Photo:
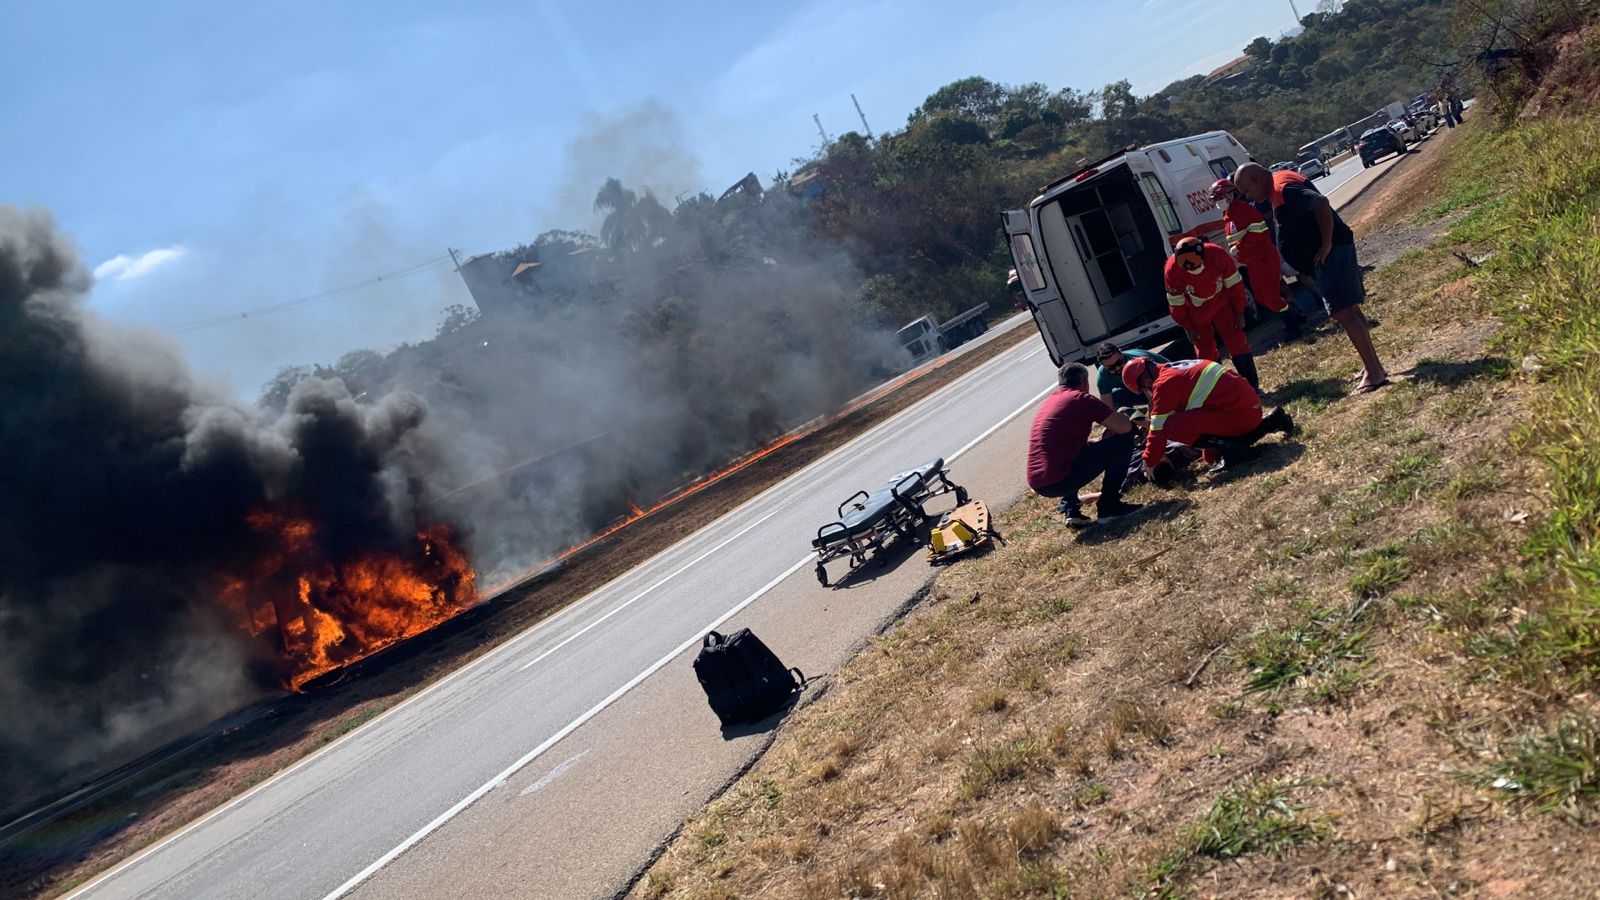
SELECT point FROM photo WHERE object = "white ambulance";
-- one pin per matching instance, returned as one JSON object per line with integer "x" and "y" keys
{"x": 1090, "y": 248}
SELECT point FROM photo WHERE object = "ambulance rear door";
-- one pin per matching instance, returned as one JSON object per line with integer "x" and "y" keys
{"x": 1043, "y": 297}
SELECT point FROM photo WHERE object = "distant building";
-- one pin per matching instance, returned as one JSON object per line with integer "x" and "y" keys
{"x": 502, "y": 284}
{"x": 1236, "y": 68}
{"x": 749, "y": 186}
{"x": 488, "y": 279}
{"x": 807, "y": 183}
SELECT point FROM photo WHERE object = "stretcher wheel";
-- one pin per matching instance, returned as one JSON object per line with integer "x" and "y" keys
{"x": 822, "y": 575}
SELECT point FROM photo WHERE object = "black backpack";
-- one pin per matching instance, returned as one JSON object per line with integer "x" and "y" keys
{"x": 743, "y": 680}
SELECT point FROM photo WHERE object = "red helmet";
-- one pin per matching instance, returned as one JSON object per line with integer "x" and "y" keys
{"x": 1221, "y": 186}
{"x": 1133, "y": 372}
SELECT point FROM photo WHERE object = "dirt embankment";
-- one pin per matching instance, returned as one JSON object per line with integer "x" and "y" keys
{"x": 1264, "y": 686}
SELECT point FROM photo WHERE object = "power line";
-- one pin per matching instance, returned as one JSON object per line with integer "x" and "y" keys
{"x": 310, "y": 299}
{"x": 332, "y": 293}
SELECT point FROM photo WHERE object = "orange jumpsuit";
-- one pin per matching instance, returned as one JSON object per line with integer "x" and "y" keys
{"x": 1247, "y": 230}
{"x": 1192, "y": 398}
{"x": 1205, "y": 304}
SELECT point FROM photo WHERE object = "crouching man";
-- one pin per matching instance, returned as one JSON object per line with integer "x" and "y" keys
{"x": 1062, "y": 459}
{"x": 1200, "y": 403}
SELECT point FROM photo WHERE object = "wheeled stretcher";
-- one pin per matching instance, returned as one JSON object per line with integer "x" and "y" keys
{"x": 869, "y": 520}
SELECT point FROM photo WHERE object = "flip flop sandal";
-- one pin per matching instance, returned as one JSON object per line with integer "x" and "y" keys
{"x": 1369, "y": 388}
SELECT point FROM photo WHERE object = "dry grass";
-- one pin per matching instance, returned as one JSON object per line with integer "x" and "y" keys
{"x": 1289, "y": 700}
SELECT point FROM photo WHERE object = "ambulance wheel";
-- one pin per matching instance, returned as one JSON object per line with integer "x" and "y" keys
{"x": 822, "y": 575}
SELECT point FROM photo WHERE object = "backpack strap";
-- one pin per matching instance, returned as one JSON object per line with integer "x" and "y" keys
{"x": 712, "y": 639}
{"x": 798, "y": 675}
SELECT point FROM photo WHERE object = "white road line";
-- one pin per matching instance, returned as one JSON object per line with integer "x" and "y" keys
{"x": 551, "y": 775}
{"x": 644, "y": 593}
{"x": 616, "y": 695}
{"x": 554, "y": 739}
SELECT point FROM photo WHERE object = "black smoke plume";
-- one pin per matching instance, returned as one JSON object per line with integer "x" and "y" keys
{"x": 126, "y": 487}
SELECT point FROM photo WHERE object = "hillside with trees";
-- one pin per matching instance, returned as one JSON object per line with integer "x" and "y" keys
{"x": 919, "y": 208}
{"x": 730, "y": 318}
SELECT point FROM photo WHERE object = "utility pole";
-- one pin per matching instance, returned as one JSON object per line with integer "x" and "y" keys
{"x": 818, "y": 119}
{"x": 453, "y": 258}
{"x": 862, "y": 115}
{"x": 1296, "y": 12}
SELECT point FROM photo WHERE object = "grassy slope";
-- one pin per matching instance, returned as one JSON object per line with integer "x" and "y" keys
{"x": 1362, "y": 664}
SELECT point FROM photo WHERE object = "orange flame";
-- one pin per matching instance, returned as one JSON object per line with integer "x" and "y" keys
{"x": 330, "y": 613}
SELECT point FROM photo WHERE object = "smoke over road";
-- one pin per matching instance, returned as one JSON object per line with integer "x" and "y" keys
{"x": 166, "y": 551}
{"x": 169, "y": 552}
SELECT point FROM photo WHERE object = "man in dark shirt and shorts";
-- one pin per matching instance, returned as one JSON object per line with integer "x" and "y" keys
{"x": 1312, "y": 238}
{"x": 1062, "y": 459}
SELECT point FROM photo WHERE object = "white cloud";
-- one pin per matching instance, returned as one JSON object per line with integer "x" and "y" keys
{"x": 123, "y": 267}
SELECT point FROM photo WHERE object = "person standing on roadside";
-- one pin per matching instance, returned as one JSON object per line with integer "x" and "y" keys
{"x": 1251, "y": 243}
{"x": 1062, "y": 459}
{"x": 1205, "y": 297}
{"x": 1312, "y": 238}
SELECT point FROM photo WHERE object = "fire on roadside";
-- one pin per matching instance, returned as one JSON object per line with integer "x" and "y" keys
{"x": 635, "y": 512}
{"x": 330, "y": 612}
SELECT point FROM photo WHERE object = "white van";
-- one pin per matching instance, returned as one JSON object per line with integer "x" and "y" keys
{"x": 1091, "y": 247}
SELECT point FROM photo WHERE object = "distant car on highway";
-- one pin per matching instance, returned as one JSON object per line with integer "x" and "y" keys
{"x": 1313, "y": 168}
{"x": 1282, "y": 165}
{"x": 1407, "y": 131}
{"x": 1378, "y": 143}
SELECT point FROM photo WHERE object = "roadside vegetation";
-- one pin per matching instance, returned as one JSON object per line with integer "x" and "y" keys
{"x": 911, "y": 212}
{"x": 1364, "y": 667}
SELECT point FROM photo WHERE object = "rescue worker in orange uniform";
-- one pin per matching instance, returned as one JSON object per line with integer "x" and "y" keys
{"x": 1250, "y": 241}
{"x": 1200, "y": 403}
{"x": 1205, "y": 296}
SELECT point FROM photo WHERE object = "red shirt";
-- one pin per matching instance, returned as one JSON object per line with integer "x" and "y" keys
{"x": 1199, "y": 298}
{"x": 1281, "y": 178}
{"x": 1060, "y": 429}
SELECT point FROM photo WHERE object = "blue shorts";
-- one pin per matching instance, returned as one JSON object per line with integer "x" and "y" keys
{"x": 1339, "y": 279}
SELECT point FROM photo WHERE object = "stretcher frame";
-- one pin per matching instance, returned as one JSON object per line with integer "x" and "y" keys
{"x": 867, "y": 522}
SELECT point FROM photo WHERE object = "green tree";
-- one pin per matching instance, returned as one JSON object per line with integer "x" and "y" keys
{"x": 974, "y": 98}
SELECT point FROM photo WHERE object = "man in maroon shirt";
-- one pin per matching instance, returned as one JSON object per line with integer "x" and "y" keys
{"x": 1062, "y": 459}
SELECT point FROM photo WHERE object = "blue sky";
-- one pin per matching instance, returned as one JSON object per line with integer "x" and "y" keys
{"x": 210, "y": 158}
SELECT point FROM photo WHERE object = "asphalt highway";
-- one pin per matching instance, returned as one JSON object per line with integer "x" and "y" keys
{"x": 515, "y": 740}
{"x": 552, "y": 766}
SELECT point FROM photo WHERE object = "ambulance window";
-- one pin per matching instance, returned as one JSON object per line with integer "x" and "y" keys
{"x": 1162, "y": 204}
{"x": 1027, "y": 262}
{"x": 1224, "y": 167}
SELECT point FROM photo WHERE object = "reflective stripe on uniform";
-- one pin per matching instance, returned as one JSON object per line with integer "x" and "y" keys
{"x": 1209, "y": 376}
{"x": 1257, "y": 227}
{"x": 1174, "y": 299}
{"x": 1230, "y": 281}
{"x": 1158, "y": 420}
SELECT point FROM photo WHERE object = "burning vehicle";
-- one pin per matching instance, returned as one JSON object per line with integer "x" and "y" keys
{"x": 167, "y": 552}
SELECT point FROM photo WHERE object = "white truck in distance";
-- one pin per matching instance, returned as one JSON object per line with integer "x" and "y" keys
{"x": 1090, "y": 248}
{"x": 925, "y": 337}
